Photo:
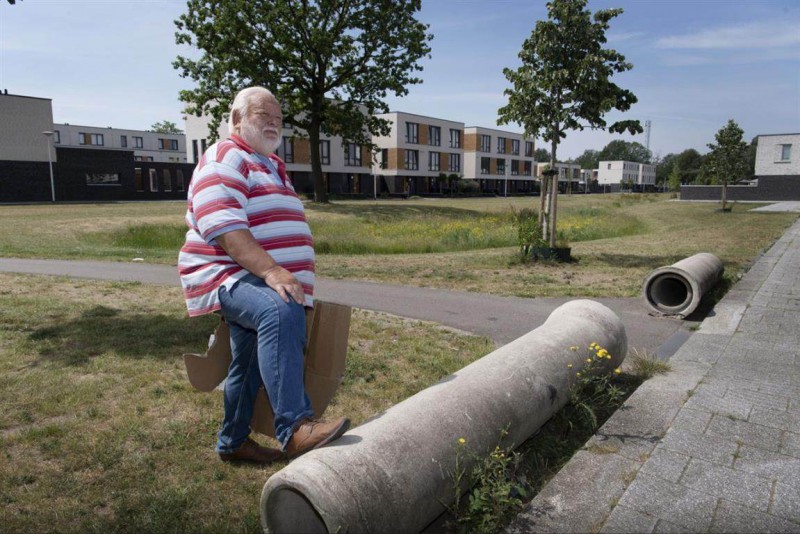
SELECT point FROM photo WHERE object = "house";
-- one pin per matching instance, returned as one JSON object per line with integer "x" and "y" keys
{"x": 569, "y": 176}
{"x": 636, "y": 176}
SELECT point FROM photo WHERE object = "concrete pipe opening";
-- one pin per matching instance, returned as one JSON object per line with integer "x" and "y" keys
{"x": 297, "y": 514}
{"x": 670, "y": 293}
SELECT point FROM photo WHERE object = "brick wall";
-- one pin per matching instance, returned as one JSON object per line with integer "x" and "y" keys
{"x": 768, "y": 188}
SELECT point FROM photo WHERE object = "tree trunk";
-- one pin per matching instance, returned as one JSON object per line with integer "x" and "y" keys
{"x": 554, "y": 195}
{"x": 724, "y": 194}
{"x": 320, "y": 185}
{"x": 542, "y": 202}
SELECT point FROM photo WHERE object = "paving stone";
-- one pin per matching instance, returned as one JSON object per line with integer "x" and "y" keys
{"x": 731, "y": 517}
{"x": 666, "y": 464}
{"x": 674, "y": 502}
{"x": 696, "y": 445}
{"x": 726, "y": 406}
{"x": 786, "y": 502}
{"x": 692, "y": 420}
{"x": 752, "y": 434}
{"x": 626, "y": 520}
{"x": 736, "y": 486}
{"x": 768, "y": 464}
{"x": 791, "y": 444}
{"x": 668, "y": 527}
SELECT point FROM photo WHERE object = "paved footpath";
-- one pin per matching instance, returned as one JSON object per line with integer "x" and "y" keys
{"x": 712, "y": 446}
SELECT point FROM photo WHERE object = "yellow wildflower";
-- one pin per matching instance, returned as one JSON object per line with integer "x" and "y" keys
{"x": 461, "y": 441}
{"x": 577, "y": 374}
{"x": 569, "y": 366}
{"x": 588, "y": 360}
{"x": 574, "y": 348}
{"x": 602, "y": 353}
{"x": 617, "y": 371}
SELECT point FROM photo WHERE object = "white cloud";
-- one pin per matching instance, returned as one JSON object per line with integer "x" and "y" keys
{"x": 763, "y": 34}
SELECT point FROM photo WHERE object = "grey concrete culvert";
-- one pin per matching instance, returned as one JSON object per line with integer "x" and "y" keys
{"x": 678, "y": 289}
{"x": 395, "y": 469}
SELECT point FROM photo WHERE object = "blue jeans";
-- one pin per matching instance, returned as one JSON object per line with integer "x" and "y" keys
{"x": 268, "y": 340}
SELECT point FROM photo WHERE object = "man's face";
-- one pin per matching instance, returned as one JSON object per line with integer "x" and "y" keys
{"x": 261, "y": 128}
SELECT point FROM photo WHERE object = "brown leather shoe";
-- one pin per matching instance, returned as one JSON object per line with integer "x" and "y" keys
{"x": 311, "y": 434}
{"x": 250, "y": 451}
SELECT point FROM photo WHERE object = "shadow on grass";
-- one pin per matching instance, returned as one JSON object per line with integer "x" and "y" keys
{"x": 101, "y": 330}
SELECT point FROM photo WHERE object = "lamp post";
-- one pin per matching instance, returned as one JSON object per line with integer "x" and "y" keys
{"x": 49, "y": 136}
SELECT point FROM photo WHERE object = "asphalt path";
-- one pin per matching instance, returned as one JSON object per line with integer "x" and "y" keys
{"x": 502, "y": 319}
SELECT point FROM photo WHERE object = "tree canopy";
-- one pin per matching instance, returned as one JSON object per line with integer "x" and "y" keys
{"x": 330, "y": 63}
{"x": 590, "y": 159}
{"x": 541, "y": 154}
{"x": 727, "y": 161}
{"x": 564, "y": 83}
{"x": 165, "y": 127}
{"x": 619, "y": 150}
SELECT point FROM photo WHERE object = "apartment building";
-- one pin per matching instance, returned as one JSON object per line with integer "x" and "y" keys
{"x": 611, "y": 174}
{"x": 146, "y": 145}
{"x": 346, "y": 166}
{"x": 778, "y": 155}
{"x": 570, "y": 177}
{"x": 416, "y": 152}
{"x": 501, "y": 161}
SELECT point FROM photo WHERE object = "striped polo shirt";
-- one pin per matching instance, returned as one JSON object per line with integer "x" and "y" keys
{"x": 233, "y": 187}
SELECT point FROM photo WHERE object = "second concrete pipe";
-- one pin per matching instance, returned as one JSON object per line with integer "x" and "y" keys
{"x": 394, "y": 472}
{"x": 677, "y": 289}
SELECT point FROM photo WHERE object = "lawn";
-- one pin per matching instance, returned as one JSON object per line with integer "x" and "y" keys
{"x": 460, "y": 244}
{"x": 100, "y": 430}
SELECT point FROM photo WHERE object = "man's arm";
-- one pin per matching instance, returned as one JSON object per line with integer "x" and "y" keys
{"x": 245, "y": 250}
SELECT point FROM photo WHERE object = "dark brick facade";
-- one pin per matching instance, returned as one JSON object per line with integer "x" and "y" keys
{"x": 30, "y": 181}
{"x": 769, "y": 188}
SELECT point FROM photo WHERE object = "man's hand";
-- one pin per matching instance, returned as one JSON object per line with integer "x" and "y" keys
{"x": 285, "y": 284}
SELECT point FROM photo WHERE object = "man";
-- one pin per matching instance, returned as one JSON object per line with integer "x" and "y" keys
{"x": 249, "y": 256}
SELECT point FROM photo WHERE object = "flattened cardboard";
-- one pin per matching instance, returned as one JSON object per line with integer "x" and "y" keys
{"x": 327, "y": 331}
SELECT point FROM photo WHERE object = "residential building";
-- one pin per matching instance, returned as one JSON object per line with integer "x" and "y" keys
{"x": 778, "y": 155}
{"x": 612, "y": 174}
{"x": 146, "y": 145}
{"x": 500, "y": 160}
{"x": 345, "y": 166}
{"x": 569, "y": 175}
{"x": 416, "y": 152}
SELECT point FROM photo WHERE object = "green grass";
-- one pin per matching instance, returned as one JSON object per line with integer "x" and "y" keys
{"x": 100, "y": 430}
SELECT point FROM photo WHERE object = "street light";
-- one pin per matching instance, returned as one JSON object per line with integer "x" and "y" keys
{"x": 49, "y": 135}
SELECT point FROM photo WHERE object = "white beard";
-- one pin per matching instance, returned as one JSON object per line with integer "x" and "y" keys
{"x": 255, "y": 137}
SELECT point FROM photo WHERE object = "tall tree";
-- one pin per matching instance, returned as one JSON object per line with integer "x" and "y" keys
{"x": 674, "y": 178}
{"x": 590, "y": 159}
{"x": 329, "y": 62}
{"x": 541, "y": 154}
{"x": 664, "y": 169}
{"x": 166, "y": 127}
{"x": 619, "y": 150}
{"x": 564, "y": 83}
{"x": 689, "y": 161}
{"x": 727, "y": 161}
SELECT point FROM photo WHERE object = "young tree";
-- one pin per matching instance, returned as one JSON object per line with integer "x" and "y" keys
{"x": 166, "y": 127}
{"x": 329, "y": 62}
{"x": 674, "y": 178}
{"x": 727, "y": 161}
{"x": 564, "y": 84}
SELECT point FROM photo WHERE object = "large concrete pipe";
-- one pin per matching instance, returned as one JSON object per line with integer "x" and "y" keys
{"x": 678, "y": 288}
{"x": 393, "y": 473}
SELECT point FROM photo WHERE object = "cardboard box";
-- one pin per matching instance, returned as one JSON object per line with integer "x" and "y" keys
{"x": 327, "y": 330}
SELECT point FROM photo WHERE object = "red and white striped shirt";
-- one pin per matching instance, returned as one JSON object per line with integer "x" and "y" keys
{"x": 233, "y": 187}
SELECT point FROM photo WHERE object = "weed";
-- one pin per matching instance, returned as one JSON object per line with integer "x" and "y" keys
{"x": 646, "y": 366}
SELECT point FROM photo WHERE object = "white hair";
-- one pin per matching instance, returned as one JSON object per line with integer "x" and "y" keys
{"x": 243, "y": 100}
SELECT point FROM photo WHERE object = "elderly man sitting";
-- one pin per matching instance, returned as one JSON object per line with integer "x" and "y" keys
{"x": 249, "y": 255}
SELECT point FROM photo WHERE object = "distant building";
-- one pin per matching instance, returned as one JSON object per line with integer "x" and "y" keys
{"x": 500, "y": 160}
{"x": 569, "y": 175}
{"x": 146, "y": 145}
{"x": 611, "y": 174}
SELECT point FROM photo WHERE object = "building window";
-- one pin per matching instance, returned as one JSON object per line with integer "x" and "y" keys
{"x": 455, "y": 162}
{"x": 288, "y": 150}
{"x": 352, "y": 154}
{"x": 434, "y": 136}
{"x": 433, "y": 161}
{"x": 526, "y": 168}
{"x": 384, "y": 158}
{"x": 166, "y": 181}
{"x": 455, "y": 138}
{"x": 153, "y": 180}
{"x": 325, "y": 152}
{"x": 486, "y": 143}
{"x": 194, "y": 151}
{"x": 786, "y": 152}
{"x": 501, "y": 145}
{"x": 102, "y": 178}
{"x": 138, "y": 180}
{"x": 412, "y": 160}
{"x": 515, "y": 147}
{"x": 57, "y": 137}
{"x": 528, "y": 149}
{"x": 485, "y": 165}
{"x": 514, "y": 167}
{"x": 412, "y": 133}
{"x": 609, "y": 166}
{"x": 123, "y": 141}
{"x": 90, "y": 139}
{"x": 167, "y": 144}
{"x": 138, "y": 142}
{"x": 501, "y": 166}
{"x": 179, "y": 180}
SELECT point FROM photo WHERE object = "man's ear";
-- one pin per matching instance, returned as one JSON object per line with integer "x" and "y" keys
{"x": 237, "y": 118}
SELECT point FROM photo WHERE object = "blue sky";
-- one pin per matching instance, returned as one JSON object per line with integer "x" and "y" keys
{"x": 696, "y": 63}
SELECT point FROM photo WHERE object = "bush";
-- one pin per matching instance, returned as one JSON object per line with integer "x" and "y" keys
{"x": 529, "y": 233}
{"x": 469, "y": 186}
